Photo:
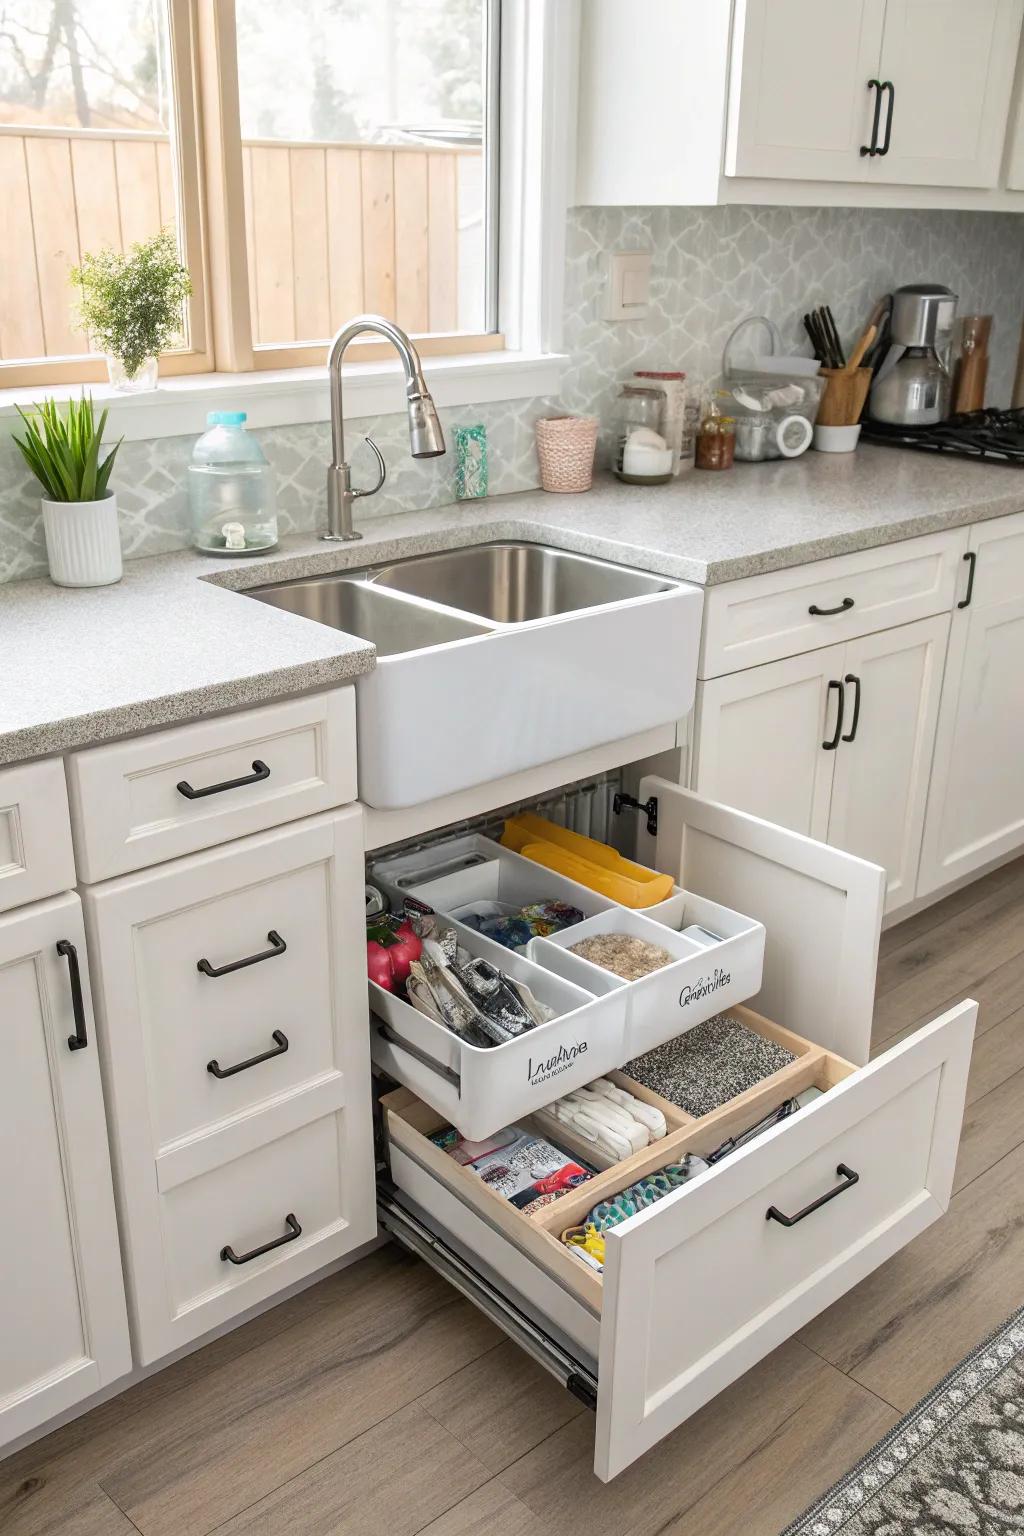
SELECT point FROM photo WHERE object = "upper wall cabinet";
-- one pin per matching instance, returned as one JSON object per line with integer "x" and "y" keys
{"x": 914, "y": 92}
{"x": 799, "y": 105}
{"x": 897, "y": 103}
{"x": 949, "y": 69}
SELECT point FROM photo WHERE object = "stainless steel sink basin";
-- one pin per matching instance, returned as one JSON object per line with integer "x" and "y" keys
{"x": 511, "y": 583}
{"x": 395, "y": 627}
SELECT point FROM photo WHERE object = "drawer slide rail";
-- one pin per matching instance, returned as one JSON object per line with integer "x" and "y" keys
{"x": 426, "y": 1245}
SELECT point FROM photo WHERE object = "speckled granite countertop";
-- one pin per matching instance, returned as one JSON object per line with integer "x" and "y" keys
{"x": 166, "y": 645}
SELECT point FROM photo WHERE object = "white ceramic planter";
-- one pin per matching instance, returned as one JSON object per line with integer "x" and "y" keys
{"x": 83, "y": 544}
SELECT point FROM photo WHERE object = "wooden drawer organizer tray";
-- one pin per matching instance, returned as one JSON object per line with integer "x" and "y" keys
{"x": 410, "y": 1123}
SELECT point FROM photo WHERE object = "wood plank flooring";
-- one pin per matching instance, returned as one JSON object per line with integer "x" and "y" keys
{"x": 381, "y": 1402}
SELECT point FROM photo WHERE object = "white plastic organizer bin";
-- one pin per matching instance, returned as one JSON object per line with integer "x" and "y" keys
{"x": 705, "y": 977}
{"x": 483, "y": 1088}
{"x": 603, "y": 1020}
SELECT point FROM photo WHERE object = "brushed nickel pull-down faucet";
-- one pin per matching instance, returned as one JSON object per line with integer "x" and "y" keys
{"x": 426, "y": 440}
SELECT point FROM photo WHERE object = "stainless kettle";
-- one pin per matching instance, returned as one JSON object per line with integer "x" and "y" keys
{"x": 913, "y": 387}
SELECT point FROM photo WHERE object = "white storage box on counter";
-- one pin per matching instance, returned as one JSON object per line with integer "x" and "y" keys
{"x": 710, "y": 972}
{"x": 483, "y": 1088}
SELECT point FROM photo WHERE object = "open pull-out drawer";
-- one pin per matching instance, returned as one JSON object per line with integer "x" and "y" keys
{"x": 599, "y": 1019}
{"x": 703, "y": 1284}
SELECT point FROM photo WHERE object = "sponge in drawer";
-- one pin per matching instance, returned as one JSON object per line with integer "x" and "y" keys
{"x": 585, "y": 860}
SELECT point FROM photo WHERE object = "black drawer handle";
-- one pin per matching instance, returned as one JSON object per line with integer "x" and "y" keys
{"x": 872, "y": 148}
{"x": 972, "y": 560}
{"x": 887, "y": 85}
{"x": 278, "y": 947}
{"x": 832, "y": 744}
{"x": 259, "y": 771}
{"x": 851, "y": 677}
{"x": 294, "y": 1231}
{"x": 279, "y": 1047}
{"x": 849, "y": 1180}
{"x": 80, "y": 1039}
{"x": 822, "y": 613}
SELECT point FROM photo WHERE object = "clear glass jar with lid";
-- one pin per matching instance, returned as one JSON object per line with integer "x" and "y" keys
{"x": 642, "y": 456}
{"x": 231, "y": 489}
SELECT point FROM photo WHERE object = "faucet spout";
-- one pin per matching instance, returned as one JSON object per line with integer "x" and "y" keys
{"x": 426, "y": 440}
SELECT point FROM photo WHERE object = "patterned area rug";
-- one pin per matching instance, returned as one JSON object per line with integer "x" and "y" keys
{"x": 954, "y": 1466}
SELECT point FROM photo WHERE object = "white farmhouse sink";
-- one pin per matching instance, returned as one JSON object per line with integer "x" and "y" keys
{"x": 501, "y": 657}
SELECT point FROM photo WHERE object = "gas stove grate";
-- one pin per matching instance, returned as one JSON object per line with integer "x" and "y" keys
{"x": 990, "y": 434}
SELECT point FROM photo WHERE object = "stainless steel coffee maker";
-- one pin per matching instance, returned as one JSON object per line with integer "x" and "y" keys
{"x": 912, "y": 388}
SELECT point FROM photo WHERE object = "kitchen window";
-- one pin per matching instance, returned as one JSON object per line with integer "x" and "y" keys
{"x": 313, "y": 161}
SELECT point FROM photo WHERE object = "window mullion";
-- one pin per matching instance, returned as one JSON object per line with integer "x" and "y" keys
{"x": 225, "y": 193}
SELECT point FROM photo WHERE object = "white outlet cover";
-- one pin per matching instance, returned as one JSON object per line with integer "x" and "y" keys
{"x": 627, "y": 292}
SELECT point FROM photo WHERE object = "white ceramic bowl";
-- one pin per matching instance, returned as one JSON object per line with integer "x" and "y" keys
{"x": 836, "y": 439}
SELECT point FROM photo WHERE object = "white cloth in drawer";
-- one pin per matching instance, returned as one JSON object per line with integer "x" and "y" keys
{"x": 614, "y": 1128}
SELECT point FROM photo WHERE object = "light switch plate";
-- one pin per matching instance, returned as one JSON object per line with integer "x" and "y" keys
{"x": 627, "y": 293}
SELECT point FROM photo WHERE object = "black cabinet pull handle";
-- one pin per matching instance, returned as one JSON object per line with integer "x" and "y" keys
{"x": 279, "y": 1047}
{"x": 849, "y": 1180}
{"x": 972, "y": 561}
{"x": 80, "y": 1039}
{"x": 826, "y": 613}
{"x": 872, "y": 148}
{"x": 294, "y": 1231}
{"x": 277, "y": 947}
{"x": 851, "y": 734}
{"x": 887, "y": 85}
{"x": 259, "y": 771}
{"x": 830, "y": 746}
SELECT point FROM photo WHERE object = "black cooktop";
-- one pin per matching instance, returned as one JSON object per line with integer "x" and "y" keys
{"x": 989, "y": 434}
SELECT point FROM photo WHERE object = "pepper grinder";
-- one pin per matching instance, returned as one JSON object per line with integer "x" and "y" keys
{"x": 972, "y": 365}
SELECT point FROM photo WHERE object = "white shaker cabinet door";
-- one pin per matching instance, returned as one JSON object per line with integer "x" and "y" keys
{"x": 951, "y": 66}
{"x": 821, "y": 908}
{"x": 891, "y": 683}
{"x": 231, "y": 995}
{"x": 976, "y": 798}
{"x": 63, "y": 1326}
{"x": 800, "y": 105}
{"x": 760, "y": 738}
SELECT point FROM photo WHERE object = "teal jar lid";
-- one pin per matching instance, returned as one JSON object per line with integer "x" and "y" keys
{"x": 225, "y": 418}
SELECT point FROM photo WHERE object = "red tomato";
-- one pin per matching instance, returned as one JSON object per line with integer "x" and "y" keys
{"x": 389, "y": 954}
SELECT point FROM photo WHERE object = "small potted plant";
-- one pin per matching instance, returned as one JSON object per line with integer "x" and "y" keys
{"x": 131, "y": 306}
{"x": 83, "y": 545}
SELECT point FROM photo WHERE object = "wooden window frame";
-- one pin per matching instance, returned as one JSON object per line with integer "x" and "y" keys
{"x": 198, "y": 355}
{"x": 521, "y": 358}
{"x": 235, "y": 349}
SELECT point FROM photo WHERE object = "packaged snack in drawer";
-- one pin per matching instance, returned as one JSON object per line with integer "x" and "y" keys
{"x": 527, "y": 1170}
{"x": 583, "y": 859}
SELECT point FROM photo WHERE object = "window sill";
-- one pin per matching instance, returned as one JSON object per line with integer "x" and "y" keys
{"x": 287, "y": 396}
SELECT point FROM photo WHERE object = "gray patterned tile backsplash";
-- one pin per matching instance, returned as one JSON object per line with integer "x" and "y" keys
{"x": 152, "y": 491}
{"x": 711, "y": 267}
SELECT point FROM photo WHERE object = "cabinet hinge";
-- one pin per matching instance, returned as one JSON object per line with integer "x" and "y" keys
{"x": 623, "y": 802}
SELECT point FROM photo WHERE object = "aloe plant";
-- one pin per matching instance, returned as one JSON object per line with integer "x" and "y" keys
{"x": 63, "y": 452}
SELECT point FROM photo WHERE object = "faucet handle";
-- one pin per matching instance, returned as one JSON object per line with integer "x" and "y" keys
{"x": 382, "y": 471}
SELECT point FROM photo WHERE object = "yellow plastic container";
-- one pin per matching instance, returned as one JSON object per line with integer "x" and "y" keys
{"x": 585, "y": 860}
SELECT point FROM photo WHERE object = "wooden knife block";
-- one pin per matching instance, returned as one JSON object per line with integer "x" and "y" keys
{"x": 844, "y": 397}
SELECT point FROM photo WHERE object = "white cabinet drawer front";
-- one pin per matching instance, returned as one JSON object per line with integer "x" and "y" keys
{"x": 175, "y": 1127}
{"x": 136, "y": 803}
{"x": 168, "y": 1020}
{"x": 244, "y": 1206}
{"x": 895, "y": 1124}
{"x": 767, "y": 617}
{"x": 283, "y": 1003}
{"x": 36, "y": 857}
